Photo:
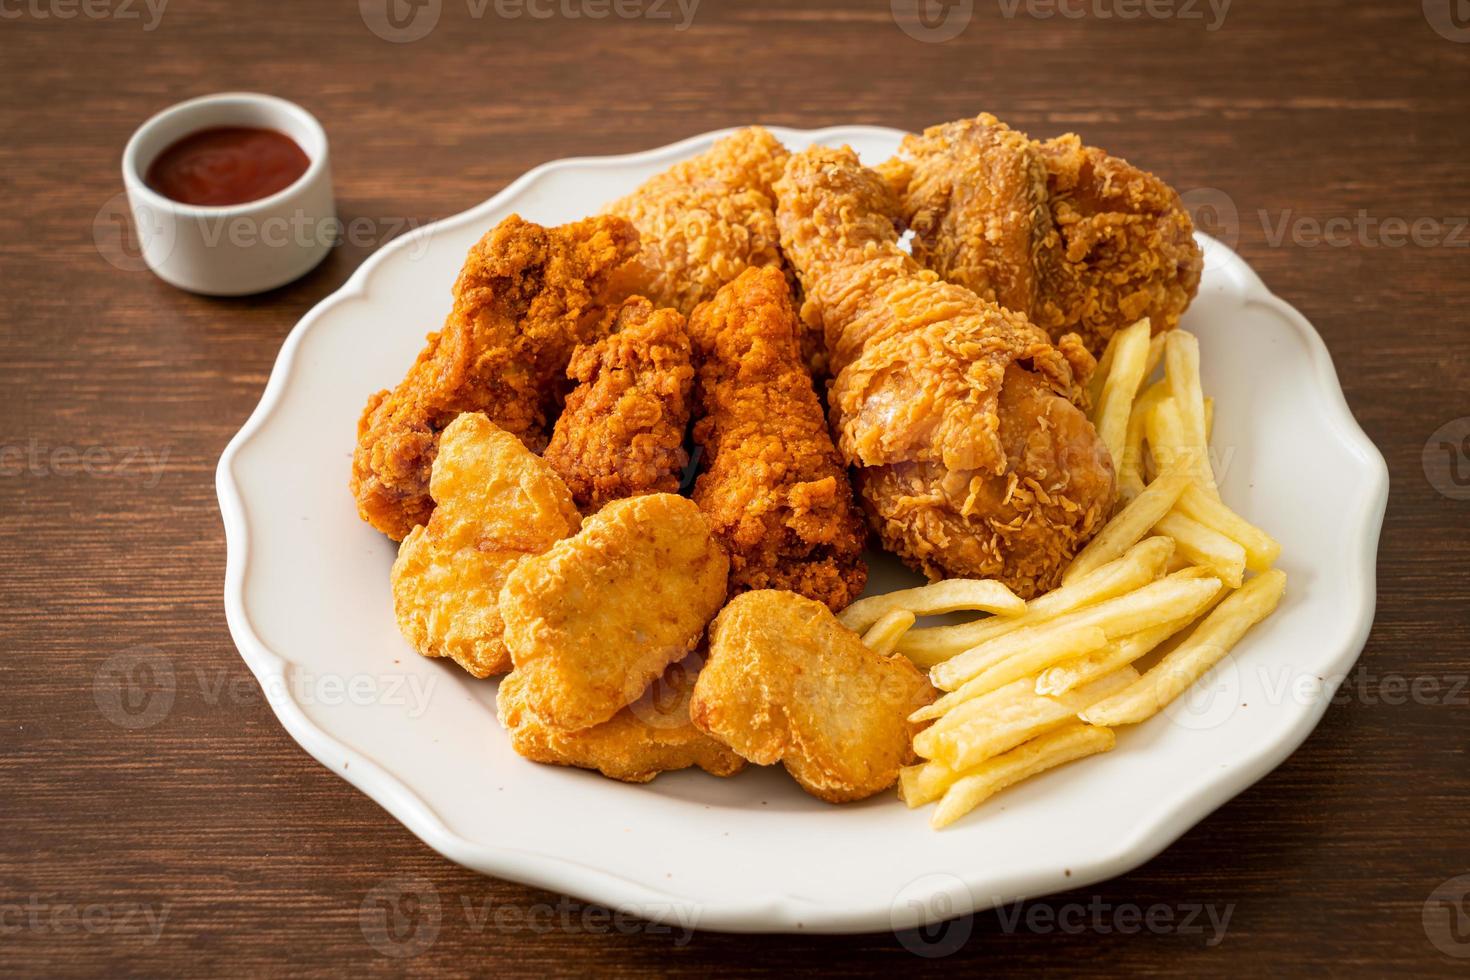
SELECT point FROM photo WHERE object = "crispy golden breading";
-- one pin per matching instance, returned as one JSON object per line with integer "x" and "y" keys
{"x": 1074, "y": 239}
{"x": 498, "y": 503}
{"x": 786, "y": 682}
{"x": 705, "y": 220}
{"x": 774, "y": 488}
{"x": 961, "y": 476}
{"x": 649, "y": 736}
{"x": 595, "y": 619}
{"x": 622, "y": 432}
{"x": 525, "y": 298}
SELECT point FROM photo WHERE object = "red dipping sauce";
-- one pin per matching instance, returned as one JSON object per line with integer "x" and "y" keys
{"x": 227, "y": 166}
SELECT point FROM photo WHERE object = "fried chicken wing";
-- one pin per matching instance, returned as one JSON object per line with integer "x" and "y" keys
{"x": 1068, "y": 236}
{"x": 497, "y": 504}
{"x": 786, "y": 682}
{"x": 649, "y": 736}
{"x": 622, "y": 431}
{"x": 595, "y": 619}
{"x": 706, "y": 220}
{"x": 960, "y": 476}
{"x": 773, "y": 487}
{"x": 527, "y": 295}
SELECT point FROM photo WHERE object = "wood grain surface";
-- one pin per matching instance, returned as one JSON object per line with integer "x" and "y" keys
{"x": 208, "y": 843}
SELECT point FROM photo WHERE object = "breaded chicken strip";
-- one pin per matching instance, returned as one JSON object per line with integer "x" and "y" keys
{"x": 498, "y": 503}
{"x": 786, "y": 682}
{"x": 525, "y": 298}
{"x": 595, "y": 619}
{"x": 1064, "y": 234}
{"x": 705, "y": 220}
{"x": 622, "y": 432}
{"x": 961, "y": 475}
{"x": 650, "y": 736}
{"x": 774, "y": 488}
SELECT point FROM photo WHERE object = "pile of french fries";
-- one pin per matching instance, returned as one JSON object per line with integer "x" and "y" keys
{"x": 1175, "y": 572}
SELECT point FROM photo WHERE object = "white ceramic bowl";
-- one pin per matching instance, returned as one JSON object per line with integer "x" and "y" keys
{"x": 236, "y": 249}
{"x": 307, "y": 597}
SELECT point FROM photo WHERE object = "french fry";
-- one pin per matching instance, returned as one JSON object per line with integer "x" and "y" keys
{"x": 1155, "y": 353}
{"x": 883, "y": 635}
{"x": 1131, "y": 523}
{"x": 1209, "y": 420}
{"x": 1166, "y": 438}
{"x": 1130, "y": 356}
{"x": 996, "y": 704}
{"x": 1131, "y": 469}
{"x": 1261, "y": 550}
{"x": 1140, "y": 565}
{"x": 1122, "y": 652}
{"x": 1179, "y": 596}
{"x": 951, "y": 595}
{"x": 1181, "y": 365}
{"x": 1050, "y": 750}
{"x": 924, "y": 783}
{"x": 1189, "y": 661}
{"x": 1043, "y": 645}
{"x": 1206, "y": 547}
{"x": 965, "y": 746}
{"x": 1100, "y": 374}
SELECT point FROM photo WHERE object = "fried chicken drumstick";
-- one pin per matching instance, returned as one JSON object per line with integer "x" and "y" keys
{"x": 1062, "y": 233}
{"x": 774, "y": 488}
{"x": 527, "y": 295}
{"x": 622, "y": 431}
{"x": 973, "y": 457}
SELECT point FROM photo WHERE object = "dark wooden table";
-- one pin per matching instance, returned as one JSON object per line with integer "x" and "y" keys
{"x": 209, "y": 843}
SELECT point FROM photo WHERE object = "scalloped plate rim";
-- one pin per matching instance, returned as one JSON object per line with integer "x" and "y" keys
{"x": 780, "y": 912}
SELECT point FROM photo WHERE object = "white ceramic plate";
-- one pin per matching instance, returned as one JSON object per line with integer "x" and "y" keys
{"x": 306, "y": 592}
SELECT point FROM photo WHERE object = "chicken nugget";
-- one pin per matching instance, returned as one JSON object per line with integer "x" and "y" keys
{"x": 786, "y": 682}
{"x": 497, "y": 503}
{"x": 649, "y": 736}
{"x": 595, "y": 619}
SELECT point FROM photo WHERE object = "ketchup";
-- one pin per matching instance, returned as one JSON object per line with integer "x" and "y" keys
{"x": 227, "y": 166}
